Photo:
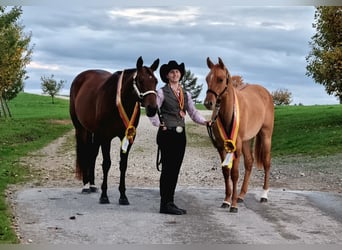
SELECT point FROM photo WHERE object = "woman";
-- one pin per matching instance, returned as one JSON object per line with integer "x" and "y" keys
{"x": 173, "y": 103}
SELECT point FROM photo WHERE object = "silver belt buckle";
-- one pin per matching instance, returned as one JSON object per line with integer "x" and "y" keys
{"x": 179, "y": 129}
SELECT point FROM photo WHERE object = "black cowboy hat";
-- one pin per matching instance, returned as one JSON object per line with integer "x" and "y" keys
{"x": 166, "y": 68}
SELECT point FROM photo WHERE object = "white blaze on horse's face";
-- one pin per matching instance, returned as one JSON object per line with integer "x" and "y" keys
{"x": 217, "y": 84}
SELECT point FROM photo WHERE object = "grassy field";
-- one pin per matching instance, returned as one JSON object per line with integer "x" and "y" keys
{"x": 35, "y": 123}
{"x": 299, "y": 130}
{"x": 307, "y": 130}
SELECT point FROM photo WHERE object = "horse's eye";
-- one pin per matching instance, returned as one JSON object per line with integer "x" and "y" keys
{"x": 219, "y": 80}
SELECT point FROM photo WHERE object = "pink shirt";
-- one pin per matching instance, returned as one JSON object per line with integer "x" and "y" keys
{"x": 194, "y": 114}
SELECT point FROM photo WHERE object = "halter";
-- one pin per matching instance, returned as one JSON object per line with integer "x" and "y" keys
{"x": 218, "y": 96}
{"x": 218, "y": 100}
{"x": 141, "y": 95}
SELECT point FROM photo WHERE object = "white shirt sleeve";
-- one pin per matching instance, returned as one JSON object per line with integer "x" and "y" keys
{"x": 160, "y": 99}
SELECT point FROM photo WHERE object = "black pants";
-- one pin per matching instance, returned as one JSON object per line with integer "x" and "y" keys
{"x": 172, "y": 148}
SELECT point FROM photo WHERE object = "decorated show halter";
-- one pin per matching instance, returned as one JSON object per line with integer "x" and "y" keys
{"x": 130, "y": 129}
{"x": 229, "y": 140}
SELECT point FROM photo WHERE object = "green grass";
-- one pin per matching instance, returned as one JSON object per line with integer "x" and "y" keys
{"x": 35, "y": 122}
{"x": 299, "y": 130}
{"x": 307, "y": 130}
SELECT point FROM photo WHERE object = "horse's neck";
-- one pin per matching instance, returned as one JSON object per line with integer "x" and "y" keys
{"x": 227, "y": 106}
{"x": 128, "y": 100}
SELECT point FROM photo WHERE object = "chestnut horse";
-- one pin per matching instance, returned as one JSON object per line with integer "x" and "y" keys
{"x": 103, "y": 106}
{"x": 239, "y": 116}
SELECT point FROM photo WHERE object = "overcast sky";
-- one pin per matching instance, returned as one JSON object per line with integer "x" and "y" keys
{"x": 265, "y": 45}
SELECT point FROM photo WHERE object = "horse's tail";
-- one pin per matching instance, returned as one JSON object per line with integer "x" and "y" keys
{"x": 80, "y": 145}
{"x": 79, "y": 151}
{"x": 259, "y": 151}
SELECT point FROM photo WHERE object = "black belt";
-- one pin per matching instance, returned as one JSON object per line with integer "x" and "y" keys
{"x": 178, "y": 129}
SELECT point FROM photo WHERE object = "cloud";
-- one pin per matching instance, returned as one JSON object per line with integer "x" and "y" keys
{"x": 156, "y": 16}
{"x": 265, "y": 45}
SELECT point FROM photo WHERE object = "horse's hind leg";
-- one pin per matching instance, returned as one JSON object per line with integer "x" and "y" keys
{"x": 82, "y": 157}
{"x": 93, "y": 155}
{"x": 267, "y": 168}
{"x": 91, "y": 152}
{"x": 105, "y": 147}
{"x": 248, "y": 162}
{"x": 263, "y": 158}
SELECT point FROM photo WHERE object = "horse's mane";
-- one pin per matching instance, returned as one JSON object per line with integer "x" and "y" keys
{"x": 113, "y": 79}
{"x": 241, "y": 87}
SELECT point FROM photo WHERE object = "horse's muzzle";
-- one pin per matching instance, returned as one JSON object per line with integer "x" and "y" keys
{"x": 150, "y": 111}
{"x": 209, "y": 104}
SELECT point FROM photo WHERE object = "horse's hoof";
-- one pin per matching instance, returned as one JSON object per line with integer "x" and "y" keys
{"x": 225, "y": 205}
{"x": 123, "y": 201}
{"x": 240, "y": 200}
{"x": 263, "y": 200}
{"x": 93, "y": 189}
{"x": 85, "y": 191}
{"x": 104, "y": 200}
{"x": 233, "y": 209}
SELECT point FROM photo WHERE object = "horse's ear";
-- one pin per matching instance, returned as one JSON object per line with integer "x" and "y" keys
{"x": 155, "y": 65}
{"x": 221, "y": 63}
{"x": 209, "y": 63}
{"x": 140, "y": 62}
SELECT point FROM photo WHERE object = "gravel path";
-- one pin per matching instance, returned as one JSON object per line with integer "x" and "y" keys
{"x": 54, "y": 165}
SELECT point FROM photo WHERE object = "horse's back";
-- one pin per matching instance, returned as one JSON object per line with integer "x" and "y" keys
{"x": 257, "y": 95}
{"x": 83, "y": 94}
{"x": 88, "y": 79}
{"x": 256, "y": 105}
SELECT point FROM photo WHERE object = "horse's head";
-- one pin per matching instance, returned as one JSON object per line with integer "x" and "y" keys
{"x": 145, "y": 84}
{"x": 217, "y": 81}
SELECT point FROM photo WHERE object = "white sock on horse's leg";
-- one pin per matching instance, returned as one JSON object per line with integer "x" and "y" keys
{"x": 264, "y": 195}
{"x": 226, "y": 202}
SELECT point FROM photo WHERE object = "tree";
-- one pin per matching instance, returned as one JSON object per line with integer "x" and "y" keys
{"x": 15, "y": 54}
{"x": 282, "y": 97}
{"x": 325, "y": 58}
{"x": 189, "y": 83}
{"x": 51, "y": 86}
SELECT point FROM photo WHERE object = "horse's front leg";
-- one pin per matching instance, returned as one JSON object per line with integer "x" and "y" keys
{"x": 105, "y": 148}
{"x": 227, "y": 182}
{"x": 228, "y": 188}
{"x": 123, "y": 200}
{"x": 235, "y": 178}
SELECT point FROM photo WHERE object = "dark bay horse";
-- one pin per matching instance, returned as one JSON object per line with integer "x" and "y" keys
{"x": 103, "y": 106}
{"x": 239, "y": 116}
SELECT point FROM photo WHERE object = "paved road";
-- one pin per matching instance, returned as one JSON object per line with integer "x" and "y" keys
{"x": 55, "y": 216}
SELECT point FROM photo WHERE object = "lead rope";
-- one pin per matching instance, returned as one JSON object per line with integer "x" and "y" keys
{"x": 213, "y": 120}
{"x": 158, "y": 160}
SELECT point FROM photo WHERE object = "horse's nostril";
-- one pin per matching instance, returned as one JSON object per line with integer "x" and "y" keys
{"x": 151, "y": 111}
{"x": 208, "y": 104}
